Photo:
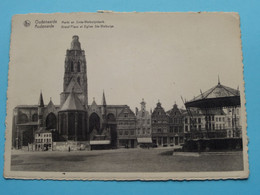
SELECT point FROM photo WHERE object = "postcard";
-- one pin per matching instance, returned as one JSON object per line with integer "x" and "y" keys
{"x": 126, "y": 96}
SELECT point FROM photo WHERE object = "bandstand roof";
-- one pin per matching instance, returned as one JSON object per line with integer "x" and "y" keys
{"x": 216, "y": 97}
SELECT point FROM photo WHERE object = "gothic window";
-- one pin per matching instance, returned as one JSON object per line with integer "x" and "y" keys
{"x": 71, "y": 67}
{"x": 51, "y": 121}
{"x": 111, "y": 117}
{"x": 71, "y": 126}
{"x": 78, "y": 67}
{"x": 78, "y": 79}
{"x": 94, "y": 122}
{"x": 23, "y": 118}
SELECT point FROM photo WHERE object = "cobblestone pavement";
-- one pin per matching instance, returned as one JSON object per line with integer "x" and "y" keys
{"x": 125, "y": 160}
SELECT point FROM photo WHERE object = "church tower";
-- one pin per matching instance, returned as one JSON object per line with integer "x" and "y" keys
{"x": 75, "y": 75}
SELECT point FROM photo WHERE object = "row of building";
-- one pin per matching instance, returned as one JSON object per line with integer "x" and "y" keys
{"x": 123, "y": 127}
{"x": 76, "y": 123}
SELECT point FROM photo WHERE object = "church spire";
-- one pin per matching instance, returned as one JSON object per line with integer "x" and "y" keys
{"x": 104, "y": 99}
{"x": 218, "y": 80}
{"x": 104, "y": 105}
{"x": 41, "y": 103}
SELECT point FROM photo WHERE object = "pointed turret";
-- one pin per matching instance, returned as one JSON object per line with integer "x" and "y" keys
{"x": 40, "y": 111}
{"x": 104, "y": 103}
{"x": 41, "y": 103}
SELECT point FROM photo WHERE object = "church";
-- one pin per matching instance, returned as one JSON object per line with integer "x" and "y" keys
{"x": 75, "y": 120}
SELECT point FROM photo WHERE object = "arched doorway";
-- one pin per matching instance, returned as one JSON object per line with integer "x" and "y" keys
{"x": 51, "y": 121}
{"x": 94, "y": 122}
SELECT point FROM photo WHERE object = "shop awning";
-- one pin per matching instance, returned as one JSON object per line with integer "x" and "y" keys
{"x": 99, "y": 142}
{"x": 144, "y": 140}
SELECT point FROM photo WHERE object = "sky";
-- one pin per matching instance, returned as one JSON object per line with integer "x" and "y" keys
{"x": 155, "y": 56}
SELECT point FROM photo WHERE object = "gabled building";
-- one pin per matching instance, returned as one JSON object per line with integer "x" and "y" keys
{"x": 143, "y": 121}
{"x": 126, "y": 128}
{"x": 160, "y": 126}
{"x": 176, "y": 130}
{"x": 143, "y": 125}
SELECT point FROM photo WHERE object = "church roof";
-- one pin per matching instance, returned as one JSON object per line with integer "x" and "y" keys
{"x": 72, "y": 103}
